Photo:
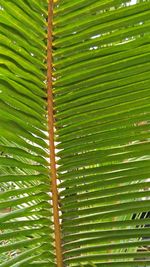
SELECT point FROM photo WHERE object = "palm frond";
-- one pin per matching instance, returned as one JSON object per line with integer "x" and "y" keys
{"x": 101, "y": 105}
{"x": 101, "y": 62}
{"x": 25, "y": 201}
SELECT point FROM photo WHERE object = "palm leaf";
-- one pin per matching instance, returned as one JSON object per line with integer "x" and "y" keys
{"x": 74, "y": 133}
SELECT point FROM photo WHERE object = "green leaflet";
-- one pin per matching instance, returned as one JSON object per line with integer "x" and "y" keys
{"x": 7, "y": 43}
{"x": 108, "y": 256}
{"x": 66, "y": 6}
{"x": 22, "y": 256}
{"x": 103, "y": 235}
{"x": 100, "y": 30}
{"x": 87, "y": 20}
{"x": 23, "y": 18}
